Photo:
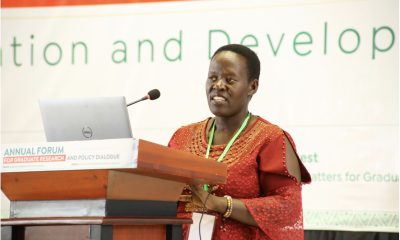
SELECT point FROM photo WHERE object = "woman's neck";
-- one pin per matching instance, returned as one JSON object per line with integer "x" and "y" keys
{"x": 226, "y": 127}
{"x": 229, "y": 124}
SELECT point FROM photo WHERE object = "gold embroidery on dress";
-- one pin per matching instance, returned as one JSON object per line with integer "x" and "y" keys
{"x": 244, "y": 145}
{"x": 190, "y": 207}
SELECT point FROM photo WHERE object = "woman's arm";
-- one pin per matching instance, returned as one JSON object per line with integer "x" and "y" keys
{"x": 219, "y": 204}
{"x": 239, "y": 210}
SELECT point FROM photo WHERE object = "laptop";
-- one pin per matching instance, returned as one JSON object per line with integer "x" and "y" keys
{"x": 80, "y": 119}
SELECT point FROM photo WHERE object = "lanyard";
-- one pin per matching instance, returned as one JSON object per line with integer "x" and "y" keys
{"x": 230, "y": 143}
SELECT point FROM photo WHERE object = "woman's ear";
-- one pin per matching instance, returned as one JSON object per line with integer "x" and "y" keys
{"x": 253, "y": 87}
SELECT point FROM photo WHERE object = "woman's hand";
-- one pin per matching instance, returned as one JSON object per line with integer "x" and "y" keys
{"x": 199, "y": 196}
{"x": 219, "y": 204}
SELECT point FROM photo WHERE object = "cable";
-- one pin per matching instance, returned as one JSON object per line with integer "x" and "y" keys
{"x": 201, "y": 218}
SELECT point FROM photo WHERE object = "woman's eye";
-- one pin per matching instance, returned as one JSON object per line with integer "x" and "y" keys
{"x": 230, "y": 80}
{"x": 213, "y": 78}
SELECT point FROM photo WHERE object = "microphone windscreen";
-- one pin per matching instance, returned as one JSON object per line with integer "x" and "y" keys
{"x": 154, "y": 94}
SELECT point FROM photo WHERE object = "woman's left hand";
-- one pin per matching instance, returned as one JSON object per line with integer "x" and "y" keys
{"x": 199, "y": 196}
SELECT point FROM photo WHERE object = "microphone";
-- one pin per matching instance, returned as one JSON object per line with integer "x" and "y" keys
{"x": 151, "y": 95}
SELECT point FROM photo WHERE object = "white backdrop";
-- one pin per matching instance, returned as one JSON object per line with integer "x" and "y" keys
{"x": 329, "y": 76}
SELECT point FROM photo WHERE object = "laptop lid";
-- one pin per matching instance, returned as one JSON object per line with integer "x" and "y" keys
{"x": 85, "y": 118}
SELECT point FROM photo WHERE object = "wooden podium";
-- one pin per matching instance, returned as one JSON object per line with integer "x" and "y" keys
{"x": 100, "y": 204}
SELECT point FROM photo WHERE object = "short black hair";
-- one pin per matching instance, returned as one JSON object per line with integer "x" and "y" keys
{"x": 252, "y": 60}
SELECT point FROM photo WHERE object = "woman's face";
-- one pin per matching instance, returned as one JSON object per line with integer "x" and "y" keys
{"x": 228, "y": 88}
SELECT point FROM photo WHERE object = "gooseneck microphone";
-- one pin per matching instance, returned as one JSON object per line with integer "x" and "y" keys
{"x": 151, "y": 95}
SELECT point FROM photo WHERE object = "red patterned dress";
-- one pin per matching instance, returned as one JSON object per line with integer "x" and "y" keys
{"x": 255, "y": 161}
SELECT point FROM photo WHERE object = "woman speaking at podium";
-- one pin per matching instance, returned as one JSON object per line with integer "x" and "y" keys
{"x": 262, "y": 196}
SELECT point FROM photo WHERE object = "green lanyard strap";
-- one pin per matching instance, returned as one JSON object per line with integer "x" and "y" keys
{"x": 230, "y": 143}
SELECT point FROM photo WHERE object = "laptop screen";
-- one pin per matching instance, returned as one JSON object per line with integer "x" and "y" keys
{"x": 85, "y": 118}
